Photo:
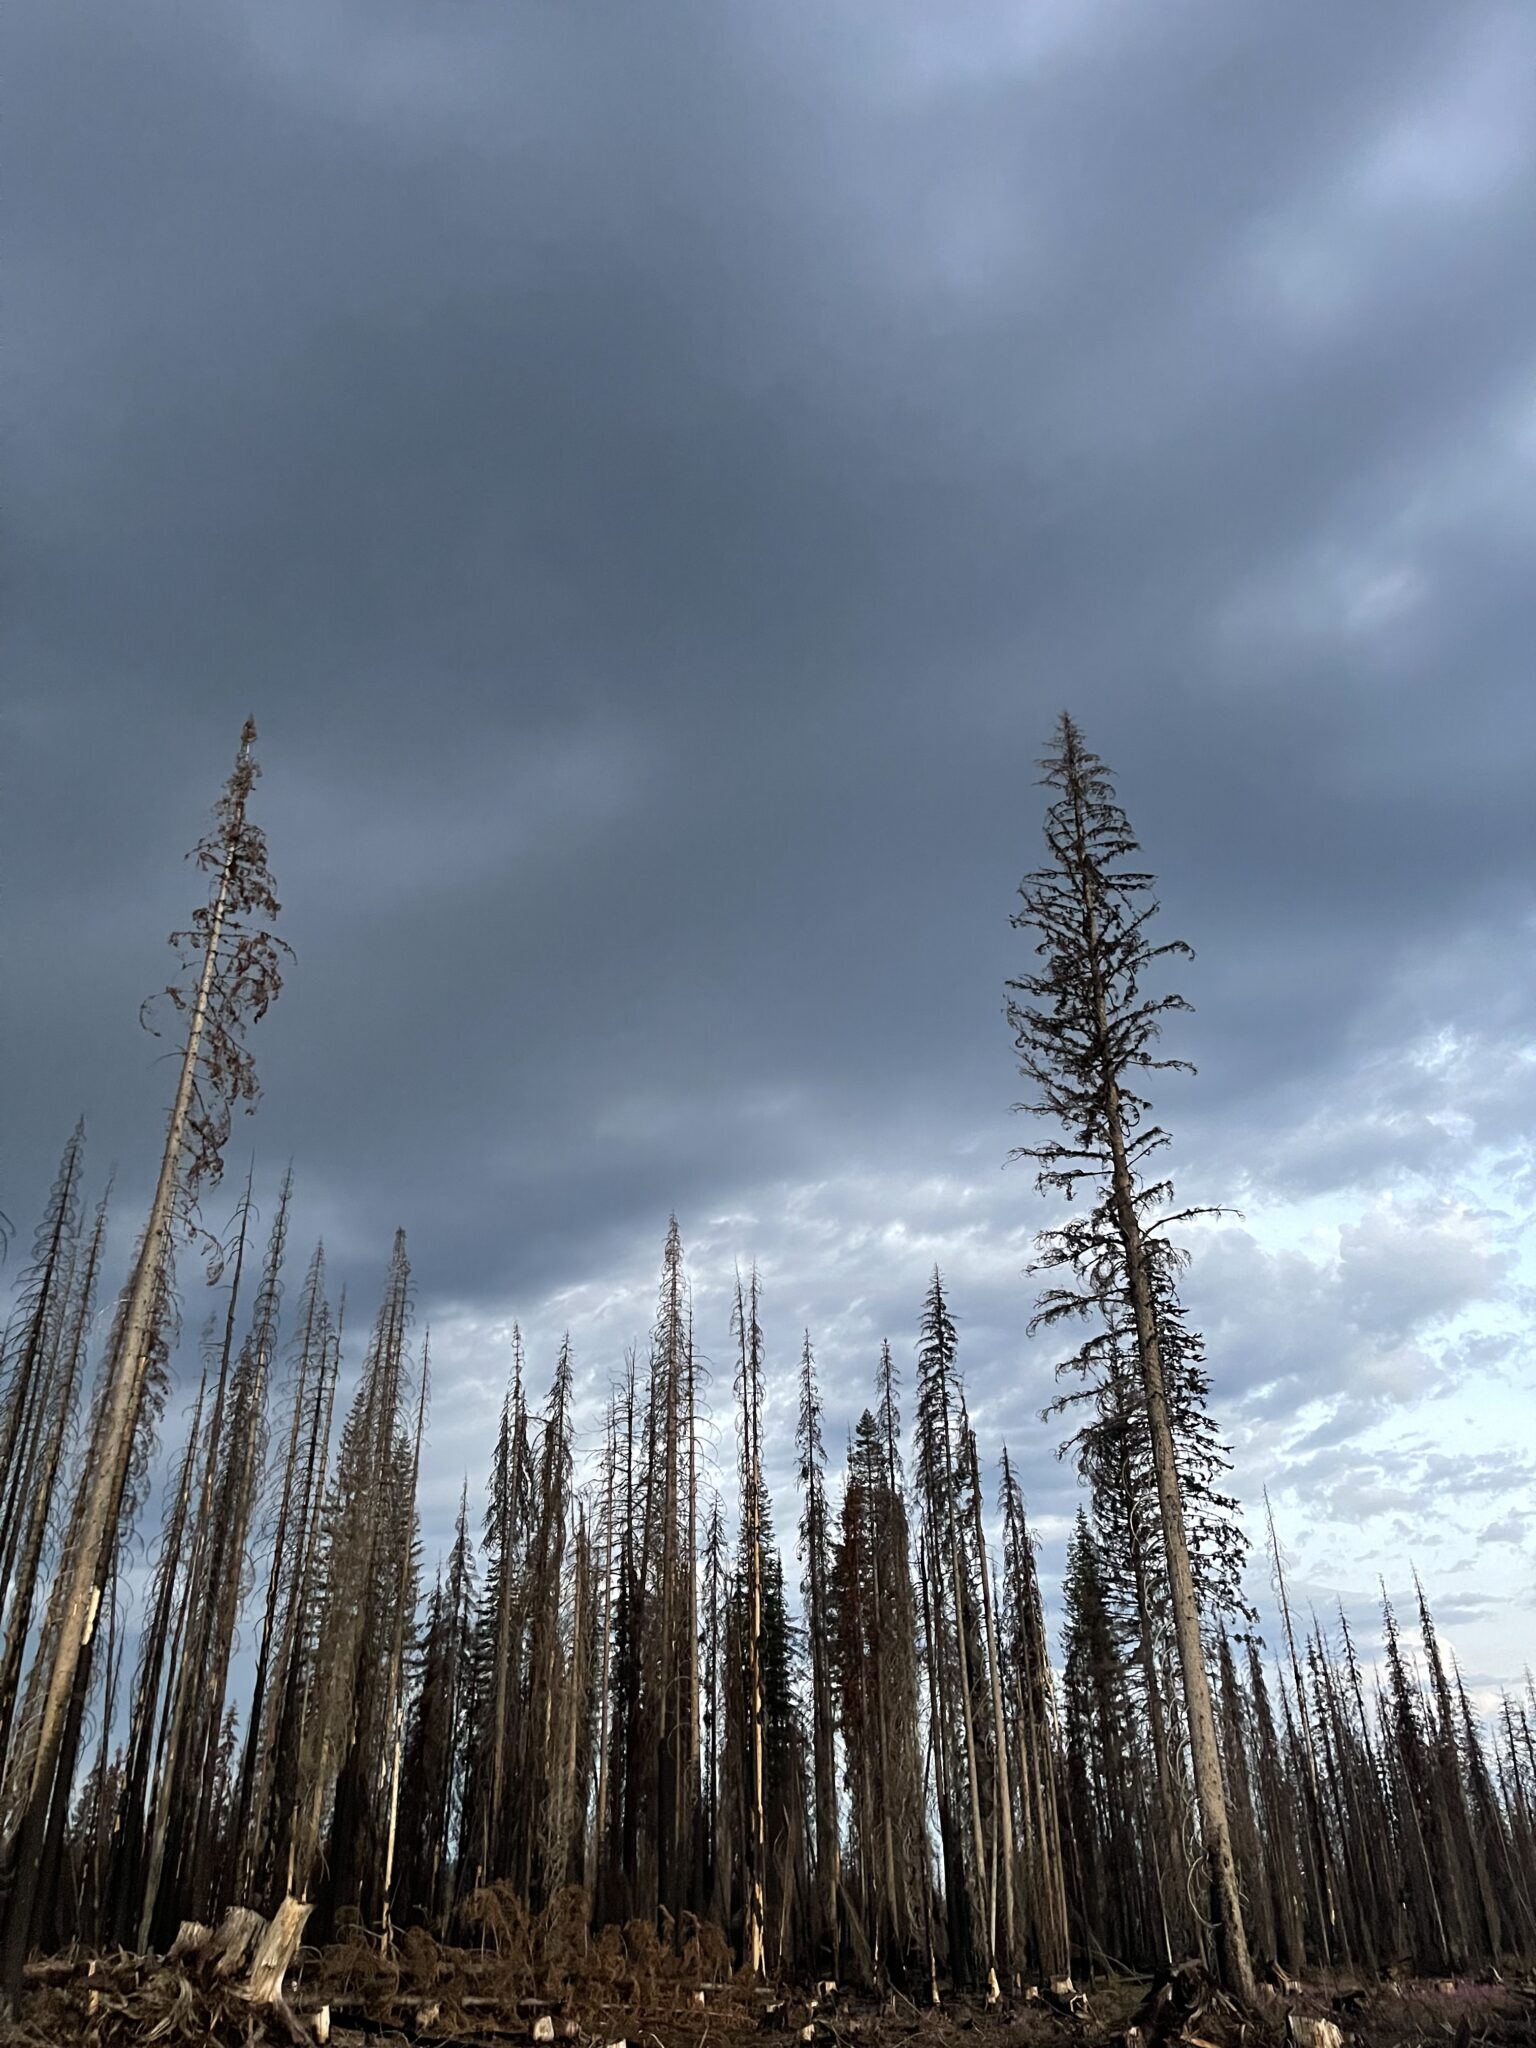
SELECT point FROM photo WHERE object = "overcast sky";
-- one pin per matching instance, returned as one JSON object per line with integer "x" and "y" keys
{"x": 654, "y": 471}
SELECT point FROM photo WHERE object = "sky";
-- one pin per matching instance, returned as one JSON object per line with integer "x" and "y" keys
{"x": 655, "y": 473}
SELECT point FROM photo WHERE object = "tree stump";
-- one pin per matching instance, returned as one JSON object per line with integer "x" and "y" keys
{"x": 190, "y": 1936}
{"x": 1304, "y": 2032}
{"x": 275, "y": 1951}
{"x": 225, "y": 1950}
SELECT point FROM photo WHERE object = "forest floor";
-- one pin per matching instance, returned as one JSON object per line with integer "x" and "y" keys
{"x": 352, "y": 1997}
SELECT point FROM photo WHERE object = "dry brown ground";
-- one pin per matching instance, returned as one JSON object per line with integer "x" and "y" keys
{"x": 551, "y": 1981}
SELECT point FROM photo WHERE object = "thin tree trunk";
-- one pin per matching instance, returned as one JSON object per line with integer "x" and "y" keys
{"x": 82, "y": 1569}
{"x": 1323, "y": 1890}
{"x": 1006, "y": 1950}
{"x": 29, "y": 1570}
{"x": 1234, "y": 1963}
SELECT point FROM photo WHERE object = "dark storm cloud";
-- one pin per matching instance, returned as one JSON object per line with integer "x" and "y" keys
{"x": 654, "y": 472}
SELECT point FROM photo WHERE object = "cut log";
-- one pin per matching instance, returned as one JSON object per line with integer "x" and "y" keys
{"x": 320, "y": 2025}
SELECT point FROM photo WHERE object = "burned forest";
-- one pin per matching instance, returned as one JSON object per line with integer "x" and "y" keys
{"x": 651, "y": 1732}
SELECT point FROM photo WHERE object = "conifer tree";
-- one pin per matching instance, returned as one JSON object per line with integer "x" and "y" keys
{"x": 716, "y": 1805}
{"x": 437, "y": 1747}
{"x": 299, "y": 1490}
{"x": 240, "y": 1451}
{"x": 1086, "y": 1034}
{"x": 668, "y": 1681}
{"x": 499, "y": 1630}
{"x": 815, "y": 1594}
{"x": 158, "y": 1656}
{"x": 235, "y": 960}
{"x": 1035, "y": 1737}
{"x": 874, "y": 1651}
{"x": 751, "y": 1627}
{"x": 37, "y": 1457}
{"x": 187, "y": 1751}
{"x": 596, "y": 1860}
{"x": 369, "y": 1529}
{"x": 951, "y": 1638}
{"x": 30, "y": 1347}
{"x": 1100, "y": 1776}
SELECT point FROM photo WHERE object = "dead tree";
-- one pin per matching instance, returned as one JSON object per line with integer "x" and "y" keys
{"x": 35, "y": 1484}
{"x": 297, "y": 1505}
{"x": 749, "y": 1388}
{"x": 33, "y": 1340}
{"x": 176, "y": 1788}
{"x": 816, "y": 1594}
{"x": 237, "y": 962}
{"x": 1036, "y": 1738}
{"x": 369, "y": 1518}
{"x": 949, "y": 1614}
{"x": 1086, "y": 1035}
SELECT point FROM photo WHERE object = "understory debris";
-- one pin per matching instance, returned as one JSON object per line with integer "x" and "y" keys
{"x": 246, "y": 1984}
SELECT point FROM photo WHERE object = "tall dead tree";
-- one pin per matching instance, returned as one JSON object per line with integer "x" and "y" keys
{"x": 43, "y": 1391}
{"x": 159, "y": 1649}
{"x": 875, "y": 1651}
{"x": 499, "y": 1632}
{"x": 1003, "y": 1928}
{"x": 749, "y": 1388}
{"x": 1325, "y": 1917}
{"x": 29, "y": 1350}
{"x": 275, "y": 1851}
{"x": 299, "y": 1481}
{"x": 234, "y": 959}
{"x": 1036, "y": 1742}
{"x": 369, "y": 1522}
{"x": 954, "y": 1665}
{"x": 815, "y": 1591}
{"x": 403, "y": 1567}
{"x": 543, "y": 1834}
{"x": 716, "y": 1805}
{"x": 668, "y": 1571}
{"x": 595, "y": 1864}
{"x": 176, "y": 1788}
{"x": 1086, "y": 1035}
{"x": 438, "y": 1743}
{"x": 240, "y": 1451}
